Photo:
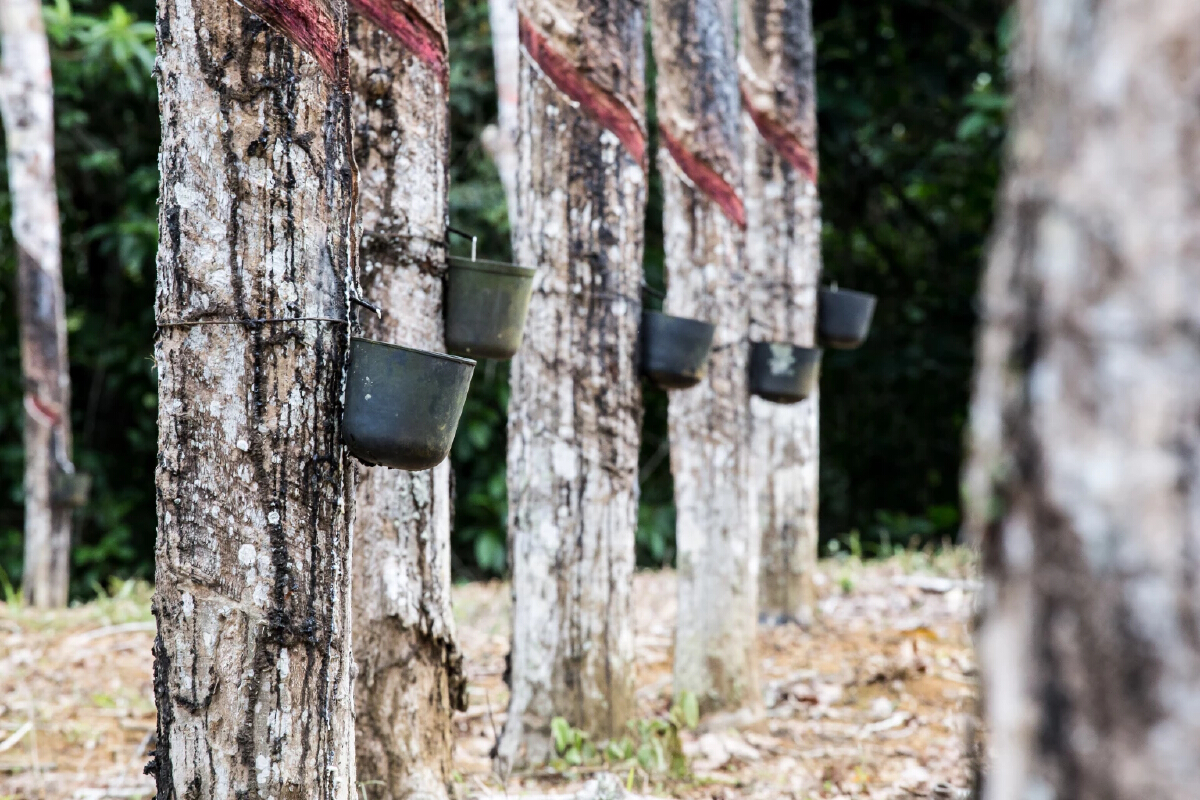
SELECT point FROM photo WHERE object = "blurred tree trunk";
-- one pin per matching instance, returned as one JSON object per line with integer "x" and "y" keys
{"x": 1083, "y": 484}
{"x": 783, "y": 252}
{"x": 501, "y": 140}
{"x": 27, "y": 105}
{"x": 575, "y": 412}
{"x": 409, "y": 668}
{"x": 252, "y": 659}
{"x": 716, "y": 522}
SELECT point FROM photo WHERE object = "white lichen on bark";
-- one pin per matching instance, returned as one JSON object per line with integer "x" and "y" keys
{"x": 27, "y": 107}
{"x": 252, "y": 659}
{"x": 1082, "y": 485}
{"x": 409, "y": 667}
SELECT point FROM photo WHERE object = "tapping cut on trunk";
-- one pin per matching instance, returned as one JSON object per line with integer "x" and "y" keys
{"x": 705, "y": 179}
{"x": 310, "y": 24}
{"x": 788, "y": 146}
{"x": 609, "y": 110}
{"x": 421, "y": 38}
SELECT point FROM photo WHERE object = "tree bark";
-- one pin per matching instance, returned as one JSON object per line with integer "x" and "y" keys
{"x": 783, "y": 253}
{"x": 252, "y": 659}
{"x": 575, "y": 411}
{"x": 716, "y": 529}
{"x": 1082, "y": 483}
{"x": 27, "y": 105}
{"x": 409, "y": 667}
{"x": 501, "y": 140}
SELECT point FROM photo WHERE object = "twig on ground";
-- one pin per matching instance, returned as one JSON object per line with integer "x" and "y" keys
{"x": 8, "y": 743}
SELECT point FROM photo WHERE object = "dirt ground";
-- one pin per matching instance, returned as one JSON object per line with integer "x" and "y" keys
{"x": 875, "y": 701}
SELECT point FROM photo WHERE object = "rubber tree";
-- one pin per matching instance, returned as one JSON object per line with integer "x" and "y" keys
{"x": 783, "y": 254}
{"x": 501, "y": 139}
{"x": 27, "y": 106}
{"x": 1082, "y": 481}
{"x": 716, "y": 529}
{"x": 409, "y": 667}
{"x": 252, "y": 662}
{"x": 575, "y": 412}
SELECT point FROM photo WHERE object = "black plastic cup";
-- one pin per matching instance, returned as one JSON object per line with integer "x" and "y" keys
{"x": 403, "y": 405}
{"x": 486, "y": 305}
{"x": 844, "y": 317}
{"x": 675, "y": 349}
{"x": 782, "y": 372}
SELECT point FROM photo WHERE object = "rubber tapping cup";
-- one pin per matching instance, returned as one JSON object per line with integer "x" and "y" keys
{"x": 486, "y": 304}
{"x": 844, "y": 317}
{"x": 675, "y": 349}
{"x": 783, "y": 373}
{"x": 403, "y": 405}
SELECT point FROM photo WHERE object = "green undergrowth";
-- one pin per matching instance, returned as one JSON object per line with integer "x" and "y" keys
{"x": 651, "y": 751}
{"x": 936, "y": 558}
{"x": 120, "y": 602}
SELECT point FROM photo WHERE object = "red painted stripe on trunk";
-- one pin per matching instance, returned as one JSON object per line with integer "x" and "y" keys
{"x": 305, "y": 23}
{"x": 706, "y": 179}
{"x": 412, "y": 30}
{"x": 599, "y": 104}
{"x": 41, "y": 411}
{"x": 791, "y": 149}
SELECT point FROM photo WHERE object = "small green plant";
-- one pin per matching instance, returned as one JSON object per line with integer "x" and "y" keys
{"x": 661, "y": 749}
{"x": 12, "y": 596}
{"x": 573, "y": 746}
{"x": 854, "y": 540}
{"x": 847, "y": 547}
{"x": 104, "y": 701}
{"x": 653, "y": 746}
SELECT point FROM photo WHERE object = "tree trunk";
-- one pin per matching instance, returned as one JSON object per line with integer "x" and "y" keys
{"x": 1083, "y": 482}
{"x": 716, "y": 522}
{"x": 575, "y": 412}
{"x": 252, "y": 659}
{"x": 501, "y": 140}
{"x": 409, "y": 667}
{"x": 27, "y": 105}
{"x": 783, "y": 251}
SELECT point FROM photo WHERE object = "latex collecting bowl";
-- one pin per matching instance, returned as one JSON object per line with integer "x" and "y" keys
{"x": 402, "y": 404}
{"x": 486, "y": 305}
{"x": 675, "y": 349}
{"x": 782, "y": 372}
{"x": 844, "y": 317}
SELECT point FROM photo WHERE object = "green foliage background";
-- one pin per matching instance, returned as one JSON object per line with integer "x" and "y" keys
{"x": 911, "y": 109}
